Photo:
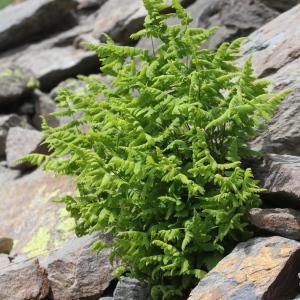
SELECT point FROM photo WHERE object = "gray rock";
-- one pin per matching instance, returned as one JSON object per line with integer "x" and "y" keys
{"x": 279, "y": 221}
{"x": 4, "y": 261}
{"x": 281, "y": 5}
{"x": 25, "y": 280}
{"x": 131, "y": 289}
{"x": 6, "y": 245}
{"x": 75, "y": 272}
{"x": 89, "y": 4}
{"x": 21, "y": 141}
{"x": 261, "y": 268}
{"x": 106, "y": 298}
{"x": 32, "y": 19}
{"x": 7, "y": 174}
{"x": 6, "y": 122}
{"x": 44, "y": 106}
{"x": 16, "y": 83}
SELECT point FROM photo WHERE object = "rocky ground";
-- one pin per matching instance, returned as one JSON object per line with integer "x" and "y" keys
{"x": 40, "y": 49}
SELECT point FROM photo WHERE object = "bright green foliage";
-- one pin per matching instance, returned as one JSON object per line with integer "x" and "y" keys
{"x": 4, "y": 3}
{"x": 158, "y": 160}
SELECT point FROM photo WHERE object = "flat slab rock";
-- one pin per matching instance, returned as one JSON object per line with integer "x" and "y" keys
{"x": 26, "y": 280}
{"x": 280, "y": 221}
{"x": 261, "y": 268}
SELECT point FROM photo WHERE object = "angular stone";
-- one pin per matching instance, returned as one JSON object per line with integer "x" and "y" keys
{"x": 6, "y": 245}
{"x": 29, "y": 215}
{"x": 16, "y": 83}
{"x": 131, "y": 289}
{"x": 75, "y": 272}
{"x": 280, "y": 221}
{"x": 33, "y": 19}
{"x": 44, "y": 106}
{"x": 6, "y": 122}
{"x": 21, "y": 141}
{"x": 261, "y": 268}
{"x": 25, "y": 280}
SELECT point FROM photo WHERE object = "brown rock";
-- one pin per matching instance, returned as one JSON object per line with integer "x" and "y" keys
{"x": 6, "y": 245}
{"x": 25, "y": 280}
{"x": 75, "y": 272}
{"x": 261, "y": 268}
{"x": 280, "y": 221}
{"x": 21, "y": 141}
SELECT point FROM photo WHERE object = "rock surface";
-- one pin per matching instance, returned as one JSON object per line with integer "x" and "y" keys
{"x": 4, "y": 261}
{"x": 31, "y": 19}
{"x": 23, "y": 281}
{"x": 15, "y": 84}
{"x": 74, "y": 272}
{"x": 280, "y": 221}
{"x": 6, "y": 245}
{"x": 261, "y": 268}
{"x": 21, "y": 141}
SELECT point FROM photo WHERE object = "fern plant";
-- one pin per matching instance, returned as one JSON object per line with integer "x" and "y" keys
{"x": 156, "y": 152}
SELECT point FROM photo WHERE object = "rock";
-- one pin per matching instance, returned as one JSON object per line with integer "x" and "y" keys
{"x": 106, "y": 298}
{"x": 131, "y": 289}
{"x": 26, "y": 280}
{"x": 119, "y": 19}
{"x": 281, "y": 5}
{"x": 75, "y": 272}
{"x": 32, "y": 20}
{"x": 261, "y": 268}
{"x": 280, "y": 221}
{"x": 4, "y": 261}
{"x": 89, "y": 4}
{"x": 29, "y": 215}
{"x": 6, "y": 245}
{"x": 6, "y": 122}
{"x": 7, "y": 174}
{"x": 16, "y": 83}
{"x": 21, "y": 141}
{"x": 44, "y": 106}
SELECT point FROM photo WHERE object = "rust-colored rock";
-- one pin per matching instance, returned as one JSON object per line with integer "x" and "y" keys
{"x": 261, "y": 268}
{"x": 26, "y": 280}
{"x": 282, "y": 221}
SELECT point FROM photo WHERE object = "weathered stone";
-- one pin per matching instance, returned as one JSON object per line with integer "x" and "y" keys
{"x": 15, "y": 82}
{"x": 261, "y": 268}
{"x": 7, "y": 174}
{"x": 33, "y": 19}
{"x": 21, "y": 141}
{"x": 4, "y": 261}
{"x": 106, "y": 298}
{"x": 89, "y": 4}
{"x": 6, "y": 245}
{"x": 281, "y": 5}
{"x": 131, "y": 289}
{"x": 29, "y": 215}
{"x": 6, "y": 122}
{"x": 25, "y": 280}
{"x": 44, "y": 106}
{"x": 280, "y": 221}
{"x": 75, "y": 272}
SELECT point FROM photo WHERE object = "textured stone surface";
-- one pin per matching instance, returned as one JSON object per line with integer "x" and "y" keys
{"x": 6, "y": 245}
{"x": 7, "y": 174}
{"x": 16, "y": 83}
{"x": 261, "y": 268}
{"x": 280, "y": 221}
{"x": 21, "y": 141}
{"x": 75, "y": 272}
{"x": 131, "y": 289}
{"x": 29, "y": 215}
{"x": 25, "y": 280}
{"x": 31, "y": 19}
{"x": 4, "y": 261}
{"x": 281, "y": 5}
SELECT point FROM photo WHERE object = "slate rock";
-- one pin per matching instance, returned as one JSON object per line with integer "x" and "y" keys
{"x": 6, "y": 245}
{"x": 75, "y": 272}
{"x": 16, "y": 83}
{"x": 34, "y": 220}
{"x": 25, "y": 280}
{"x": 44, "y": 106}
{"x": 21, "y": 141}
{"x": 261, "y": 268}
{"x": 33, "y": 19}
{"x": 280, "y": 221}
{"x": 131, "y": 289}
{"x": 6, "y": 122}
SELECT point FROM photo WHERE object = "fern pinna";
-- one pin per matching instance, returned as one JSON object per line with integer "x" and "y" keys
{"x": 156, "y": 152}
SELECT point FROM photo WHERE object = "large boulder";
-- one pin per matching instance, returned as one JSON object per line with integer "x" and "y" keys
{"x": 29, "y": 215}
{"x": 280, "y": 221}
{"x": 75, "y": 272}
{"x": 33, "y": 19}
{"x": 21, "y": 141}
{"x": 261, "y": 268}
{"x": 16, "y": 83}
{"x": 25, "y": 280}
